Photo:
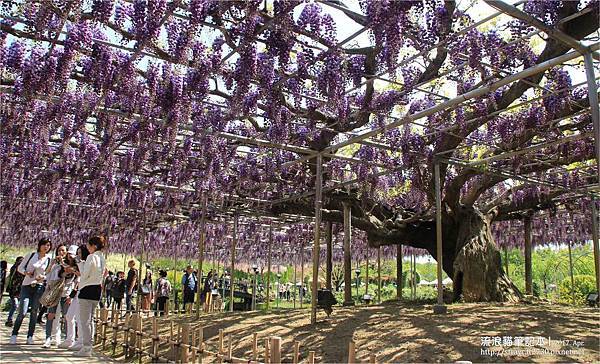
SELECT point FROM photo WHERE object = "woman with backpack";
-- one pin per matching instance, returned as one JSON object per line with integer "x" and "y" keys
{"x": 13, "y": 288}
{"x": 162, "y": 291}
{"x": 57, "y": 274}
{"x": 34, "y": 268}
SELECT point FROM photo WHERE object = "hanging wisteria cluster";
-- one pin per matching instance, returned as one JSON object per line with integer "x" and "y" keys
{"x": 124, "y": 116}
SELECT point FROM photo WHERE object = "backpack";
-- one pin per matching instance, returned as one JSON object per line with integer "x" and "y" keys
{"x": 118, "y": 289}
{"x": 186, "y": 279}
{"x": 164, "y": 290}
{"x": 15, "y": 281}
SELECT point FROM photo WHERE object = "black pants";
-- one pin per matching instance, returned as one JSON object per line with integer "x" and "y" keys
{"x": 188, "y": 296}
{"x": 161, "y": 302}
{"x": 118, "y": 302}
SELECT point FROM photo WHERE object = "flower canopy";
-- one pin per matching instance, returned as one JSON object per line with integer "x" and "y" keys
{"x": 123, "y": 116}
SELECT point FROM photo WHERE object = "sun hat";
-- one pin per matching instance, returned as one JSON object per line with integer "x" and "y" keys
{"x": 73, "y": 250}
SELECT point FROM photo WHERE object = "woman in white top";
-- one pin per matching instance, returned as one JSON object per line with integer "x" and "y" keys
{"x": 34, "y": 267}
{"x": 90, "y": 290}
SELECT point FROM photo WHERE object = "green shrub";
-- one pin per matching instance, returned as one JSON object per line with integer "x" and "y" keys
{"x": 536, "y": 289}
{"x": 584, "y": 284}
{"x": 406, "y": 278}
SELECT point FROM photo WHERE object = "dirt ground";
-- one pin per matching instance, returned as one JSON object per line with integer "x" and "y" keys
{"x": 402, "y": 332}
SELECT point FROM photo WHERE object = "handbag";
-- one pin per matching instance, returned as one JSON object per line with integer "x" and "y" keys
{"x": 52, "y": 293}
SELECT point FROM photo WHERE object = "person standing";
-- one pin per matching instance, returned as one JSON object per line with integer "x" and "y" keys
{"x": 118, "y": 289}
{"x": 206, "y": 295}
{"x": 55, "y": 313}
{"x": 162, "y": 291}
{"x": 3, "y": 269}
{"x": 107, "y": 288}
{"x": 72, "y": 317}
{"x": 34, "y": 269}
{"x": 189, "y": 282}
{"x": 90, "y": 291}
{"x": 13, "y": 288}
{"x": 147, "y": 292}
{"x": 132, "y": 283}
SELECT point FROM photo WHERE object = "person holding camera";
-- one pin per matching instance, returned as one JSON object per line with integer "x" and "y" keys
{"x": 64, "y": 259}
{"x": 78, "y": 254}
{"x": 34, "y": 269}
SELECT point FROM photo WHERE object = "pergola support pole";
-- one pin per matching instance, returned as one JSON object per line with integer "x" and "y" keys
{"x": 348, "y": 301}
{"x": 439, "y": 307}
{"x": 201, "y": 256}
{"x": 367, "y": 271}
{"x": 528, "y": 276}
{"x": 379, "y": 274}
{"x": 571, "y": 272}
{"x": 399, "y": 272}
{"x": 233, "y": 244}
{"x": 317, "y": 242}
{"x": 329, "y": 259}
{"x": 270, "y": 249}
{"x": 595, "y": 109}
{"x": 596, "y": 243}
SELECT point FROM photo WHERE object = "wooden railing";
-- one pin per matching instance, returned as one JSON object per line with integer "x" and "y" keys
{"x": 186, "y": 345}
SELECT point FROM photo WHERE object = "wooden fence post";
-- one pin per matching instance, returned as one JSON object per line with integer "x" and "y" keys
{"x": 125, "y": 334}
{"x": 311, "y": 357}
{"x": 133, "y": 324}
{"x": 255, "y": 347}
{"x": 96, "y": 320}
{"x": 178, "y": 342}
{"x": 351, "y": 352}
{"x": 275, "y": 349}
{"x": 296, "y": 352}
{"x": 184, "y": 342}
{"x": 171, "y": 340}
{"x": 373, "y": 358}
{"x": 200, "y": 343}
{"x": 155, "y": 341}
{"x": 140, "y": 338}
{"x": 115, "y": 327}
{"x": 221, "y": 345}
{"x": 193, "y": 345}
{"x": 267, "y": 355}
{"x": 104, "y": 320}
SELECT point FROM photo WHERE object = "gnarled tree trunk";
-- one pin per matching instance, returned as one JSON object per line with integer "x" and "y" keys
{"x": 477, "y": 270}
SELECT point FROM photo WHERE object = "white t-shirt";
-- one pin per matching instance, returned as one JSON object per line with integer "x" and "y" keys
{"x": 92, "y": 272}
{"x": 36, "y": 265}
